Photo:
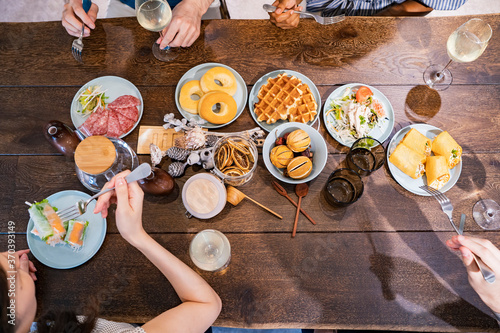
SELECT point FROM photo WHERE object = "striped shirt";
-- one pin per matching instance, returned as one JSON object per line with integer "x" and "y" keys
{"x": 371, "y": 7}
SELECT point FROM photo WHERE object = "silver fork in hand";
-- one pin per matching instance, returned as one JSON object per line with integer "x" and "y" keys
{"x": 320, "y": 19}
{"x": 77, "y": 46}
{"x": 73, "y": 211}
{"x": 447, "y": 208}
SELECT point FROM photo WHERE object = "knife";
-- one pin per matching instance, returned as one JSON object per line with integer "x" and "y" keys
{"x": 487, "y": 272}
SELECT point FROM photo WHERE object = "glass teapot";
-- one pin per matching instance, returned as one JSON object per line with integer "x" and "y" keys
{"x": 98, "y": 159}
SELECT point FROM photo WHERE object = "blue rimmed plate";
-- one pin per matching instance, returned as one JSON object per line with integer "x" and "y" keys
{"x": 381, "y": 133}
{"x": 196, "y": 73}
{"x": 252, "y": 98}
{"x": 62, "y": 256}
{"x": 410, "y": 184}
{"x": 115, "y": 87}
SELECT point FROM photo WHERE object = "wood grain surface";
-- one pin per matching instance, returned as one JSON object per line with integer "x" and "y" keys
{"x": 372, "y": 50}
{"x": 311, "y": 279}
{"x": 379, "y": 264}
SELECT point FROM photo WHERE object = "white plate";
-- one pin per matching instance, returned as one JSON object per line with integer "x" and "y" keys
{"x": 381, "y": 133}
{"x": 263, "y": 80}
{"x": 62, "y": 256}
{"x": 196, "y": 73}
{"x": 413, "y": 185}
{"x": 115, "y": 87}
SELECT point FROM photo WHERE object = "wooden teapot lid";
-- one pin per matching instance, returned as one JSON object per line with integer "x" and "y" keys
{"x": 95, "y": 154}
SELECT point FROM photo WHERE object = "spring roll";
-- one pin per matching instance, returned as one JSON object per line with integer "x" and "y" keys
{"x": 44, "y": 217}
{"x": 408, "y": 161}
{"x": 418, "y": 142}
{"x": 446, "y": 146}
{"x": 41, "y": 224}
{"x": 436, "y": 170}
{"x": 76, "y": 233}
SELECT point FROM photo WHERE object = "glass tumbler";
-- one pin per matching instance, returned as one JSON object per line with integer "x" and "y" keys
{"x": 344, "y": 187}
{"x": 366, "y": 156}
{"x": 210, "y": 250}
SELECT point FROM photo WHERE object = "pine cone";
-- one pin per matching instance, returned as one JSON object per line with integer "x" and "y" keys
{"x": 176, "y": 169}
{"x": 211, "y": 140}
{"x": 178, "y": 154}
{"x": 195, "y": 138}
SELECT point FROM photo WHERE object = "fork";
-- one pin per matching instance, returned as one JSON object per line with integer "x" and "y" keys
{"x": 447, "y": 208}
{"x": 73, "y": 211}
{"x": 77, "y": 46}
{"x": 320, "y": 19}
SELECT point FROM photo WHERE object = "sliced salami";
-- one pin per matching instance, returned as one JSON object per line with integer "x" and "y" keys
{"x": 130, "y": 112}
{"x": 101, "y": 125}
{"x": 96, "y": 123}
{"x": 126, "y": 124}
{"x": 125, "y": 101}
{"x": 114, "y": 129}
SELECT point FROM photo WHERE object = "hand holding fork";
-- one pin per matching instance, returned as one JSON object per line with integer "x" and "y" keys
{"x": 447, "y": 208}
{"x": 77, "y": 46}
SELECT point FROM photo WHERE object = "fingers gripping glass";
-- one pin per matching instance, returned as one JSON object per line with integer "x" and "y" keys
{"x": 155, "y": 15}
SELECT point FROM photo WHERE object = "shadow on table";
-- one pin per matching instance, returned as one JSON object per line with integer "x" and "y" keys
{"x": 402, "y": 279}
{"x": 422, "y": 104}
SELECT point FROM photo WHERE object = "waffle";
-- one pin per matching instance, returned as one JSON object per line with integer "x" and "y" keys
{"x": 305, "y": 109}
{"x": 285, "y": 97}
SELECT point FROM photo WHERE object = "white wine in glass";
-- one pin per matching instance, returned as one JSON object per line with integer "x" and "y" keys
{"x": 465, "y": 44}
{"x": 210, "y": 250}
{"x": 155, "y": 15}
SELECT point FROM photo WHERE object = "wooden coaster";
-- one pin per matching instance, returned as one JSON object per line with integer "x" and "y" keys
{"x": 95, "y": 154}
{"x": 158, "y": 135}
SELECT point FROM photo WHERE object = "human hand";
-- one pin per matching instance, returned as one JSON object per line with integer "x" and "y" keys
{"x": 129, "y": 199}
{"x": 22, "y": 262}
{"x": 184, "y": 28}
{"x": 287, "y": 20}
{"x": 490, "y": 255}
{"x": 73, "y": 15}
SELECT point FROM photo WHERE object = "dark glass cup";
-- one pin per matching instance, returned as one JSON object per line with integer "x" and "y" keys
{"x": 366, "y": 156}
{"x": 344, "y": 187}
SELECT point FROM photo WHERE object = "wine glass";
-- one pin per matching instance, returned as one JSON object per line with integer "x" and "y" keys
{"x": 210, "y": 250}
{"x": 155, "y": 15}
{"x": 465, "y": 44}
{"x": 486, "y": 213}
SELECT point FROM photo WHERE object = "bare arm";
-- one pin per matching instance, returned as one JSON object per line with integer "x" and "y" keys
{"x": 200, "y": 303}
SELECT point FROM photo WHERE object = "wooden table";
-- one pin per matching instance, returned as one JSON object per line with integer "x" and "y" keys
{"x": 380, "y": 263}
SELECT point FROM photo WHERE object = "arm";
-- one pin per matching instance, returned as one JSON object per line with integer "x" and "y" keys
{"x": 184, "y": 28}
{"x": 200, "y": 303}
{"x": 489, "y": 292}
{"x": 73, "y": 15}
{"x": 286, "y": 20}
{"x": 407, "y": 8}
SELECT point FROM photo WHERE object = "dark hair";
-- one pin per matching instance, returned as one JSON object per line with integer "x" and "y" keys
{"x": 60, "y": 321}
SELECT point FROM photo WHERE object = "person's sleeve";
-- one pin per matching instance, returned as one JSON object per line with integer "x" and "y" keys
{"x": 443, "y": 4}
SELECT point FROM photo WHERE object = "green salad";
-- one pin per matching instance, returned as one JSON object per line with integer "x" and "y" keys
{"x": 91, "y": 99}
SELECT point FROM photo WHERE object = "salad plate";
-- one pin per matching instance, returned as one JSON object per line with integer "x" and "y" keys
{"x": 62, "y": 256}
{"x": 115, "y": 87}
{"x": 382, "y": 128}
{"x": 196, "y": 73}
{"x": 253, "y": 97}
{"x": 410, "y": 184}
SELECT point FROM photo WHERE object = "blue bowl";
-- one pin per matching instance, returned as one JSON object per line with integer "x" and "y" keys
{"x": 318, "y": 148}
